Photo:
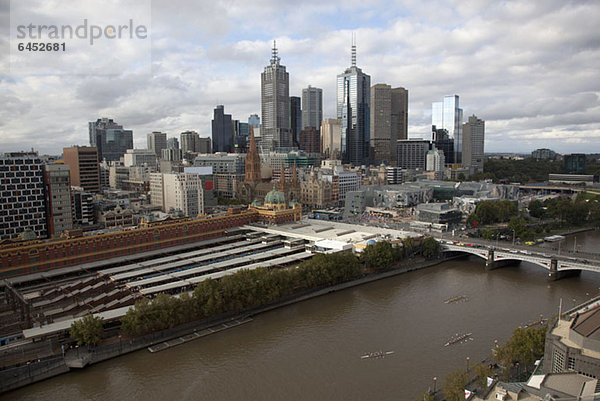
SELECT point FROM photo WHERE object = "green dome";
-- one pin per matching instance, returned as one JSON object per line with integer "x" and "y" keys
{"x": 275, "y": 197}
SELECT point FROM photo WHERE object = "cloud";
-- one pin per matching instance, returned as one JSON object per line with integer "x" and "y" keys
{"x": 528, "y": 68}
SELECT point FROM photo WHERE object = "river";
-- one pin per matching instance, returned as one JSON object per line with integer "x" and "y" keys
{"x": 312, "y": 350}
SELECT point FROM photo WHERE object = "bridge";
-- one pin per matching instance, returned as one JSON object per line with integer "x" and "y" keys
{"x": 558, "y": 265}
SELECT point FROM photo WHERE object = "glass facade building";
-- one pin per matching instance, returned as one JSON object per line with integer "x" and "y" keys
{"x": 448, "y": 115}
{"x": 111, "y": 140}
{"x": 353, "y": 109}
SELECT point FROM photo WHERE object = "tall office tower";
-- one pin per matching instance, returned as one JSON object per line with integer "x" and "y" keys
{"x": 22, "y": 189}
{"x": 412, "y": 153}
{"x": 188, "y": 141}
{"x": 447, "y": 115}
{"x": 172, "y": 143}
{"x": 312, "y": 107}
{"x": 353, "y": 108}
{"x": 399, "y": 114}
{"x": 254, "y": 121}
{"x": 473, "y": 140}
{"x": 157, "y": 141}
{"x": 331, "y": 138}
{"x": 295, "y": 119}
{"x": 222, "y": 130}
{"x": 57, "y": 184}
{"x": 275, "y": 105}
{"x": 111, "y": 140}
{"x": 381, "y": 124}
{"x": 83, "y": 163}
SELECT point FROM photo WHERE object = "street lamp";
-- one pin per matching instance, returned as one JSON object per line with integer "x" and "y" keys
{"x": 514, "y": 235}
{"x": 434, "y": 384}
{"x": 468, "y": 359}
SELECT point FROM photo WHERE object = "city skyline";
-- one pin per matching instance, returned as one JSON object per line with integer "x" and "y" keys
{"x": 528, "y": 70}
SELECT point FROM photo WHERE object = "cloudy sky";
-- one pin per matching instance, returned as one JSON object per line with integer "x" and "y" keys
{"x": 530, "y": 69}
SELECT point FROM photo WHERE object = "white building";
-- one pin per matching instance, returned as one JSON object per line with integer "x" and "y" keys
{"x": 435, "y": 160}
{"x": 181, "y": 191}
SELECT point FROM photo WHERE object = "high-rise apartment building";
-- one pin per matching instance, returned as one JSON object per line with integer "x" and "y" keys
{"x": 312, "y": 107}
{"x": 111, "y": 140}
{"x": 331, "y": 138}
{"x": 203, "y": 145}
{"x": 448, "y": 115}
{"x": 22, "y": 190}
{"x": 353, "y": 109}
{"x": 473, "y": 141}
{"x": 57, "y": 185}
{"x": 157, "y": 141}
{"x": 275, "y": 104}
{"x": 84, "y": 168}
{"x": 222, "y": 130}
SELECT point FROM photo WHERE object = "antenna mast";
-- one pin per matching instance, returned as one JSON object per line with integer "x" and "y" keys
{"x": 353, "y": 49}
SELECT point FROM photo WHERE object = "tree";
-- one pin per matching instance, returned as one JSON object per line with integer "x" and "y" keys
{"x": 454, "y": 385}
{"x": 518, "y": 225}
{"x": 482, "y": 371}
{"x": 524, "y": 347}
{"x": 536, "y": 209}
{"x": 430, "y": 247}
{"x": 87, "y": 330}
{"x": 378, "y": 256}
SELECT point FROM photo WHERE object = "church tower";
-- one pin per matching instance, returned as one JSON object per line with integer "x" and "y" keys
{"x": 252, "y": 161}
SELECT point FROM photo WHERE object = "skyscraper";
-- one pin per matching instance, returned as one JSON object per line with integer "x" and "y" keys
{"x": 295, "y": 119}
{"x": 312, "y": 107}
{"x": 389, "y": 121}
{"x": 473, "y": 140}
{"x": 447, "y": 115}
{"x": 111, "y": 140}
{"x": 353, "y": 109}
{"x": 275, "y": 104}
{"x": 83, "y": 166}
{"x": 222, "y": 131}
{"x": 157, "y": 141}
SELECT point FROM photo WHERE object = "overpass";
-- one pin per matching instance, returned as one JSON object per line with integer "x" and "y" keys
{"x": 557, "y": 265}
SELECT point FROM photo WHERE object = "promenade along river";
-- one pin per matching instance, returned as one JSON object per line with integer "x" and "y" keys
{"x": 312, "y": 350}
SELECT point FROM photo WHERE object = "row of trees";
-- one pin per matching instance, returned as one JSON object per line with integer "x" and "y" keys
{"x": 250, "y": 288}
{"x": 241, "y": 290}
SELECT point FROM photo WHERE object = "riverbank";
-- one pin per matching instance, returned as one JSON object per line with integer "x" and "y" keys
{"x": 19, "y": 376}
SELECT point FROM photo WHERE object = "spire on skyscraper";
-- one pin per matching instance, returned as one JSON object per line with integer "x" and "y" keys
{"x": 353, "y": 49}
{"x": 274, "y": 57}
